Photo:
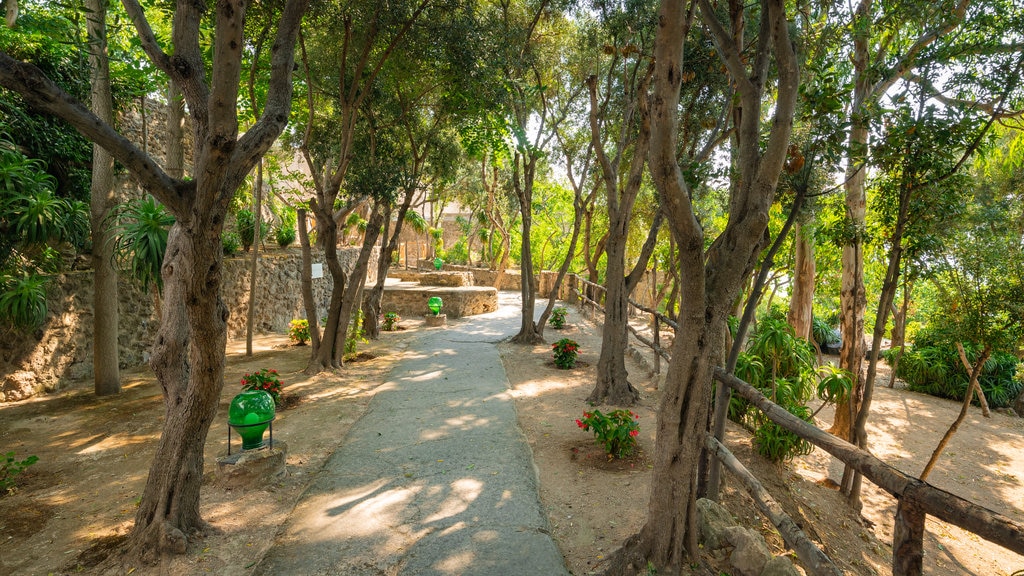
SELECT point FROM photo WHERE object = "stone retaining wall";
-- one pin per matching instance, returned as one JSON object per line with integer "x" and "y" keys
{"x": 411, "y": 302}
{"x": 61, "y": 350}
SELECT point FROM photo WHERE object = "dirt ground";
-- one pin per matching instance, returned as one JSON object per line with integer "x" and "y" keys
{"x": 80, "y": 498}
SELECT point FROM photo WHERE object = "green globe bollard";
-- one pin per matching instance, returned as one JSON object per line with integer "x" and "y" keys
{"x": 434, "y": 303}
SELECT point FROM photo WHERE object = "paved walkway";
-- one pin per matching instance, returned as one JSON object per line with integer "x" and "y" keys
{"x": 435, "y": 479}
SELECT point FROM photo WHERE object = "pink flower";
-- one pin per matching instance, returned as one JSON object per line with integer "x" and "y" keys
{"x": 634, "y": 433}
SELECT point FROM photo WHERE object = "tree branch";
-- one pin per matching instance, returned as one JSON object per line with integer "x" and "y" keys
{"x": 32, "y": 85}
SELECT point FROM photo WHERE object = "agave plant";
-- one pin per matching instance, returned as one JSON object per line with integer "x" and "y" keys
{"x": 23, "y": 299}
{"x": 140, "y": 234}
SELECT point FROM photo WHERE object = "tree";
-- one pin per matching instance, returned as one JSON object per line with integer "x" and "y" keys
{"x": 878, "y": 63}
{"x": 188, "y": 356}
{"x": 711, "y": 281}
{"x": 106, "y": 377}
{"x": 622, "y": 169}
{"x": 371, "y": 34}
{"x": 925, "y": 47}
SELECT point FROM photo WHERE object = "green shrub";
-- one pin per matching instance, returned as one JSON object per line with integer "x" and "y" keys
{"x": 23, "y": 299}
{"x": 230, "y": 242}
{"x": 458, "y": 253}
{"x": 616, "y": 431}
{"x": 823, "y": 333}
{"x": 284, "y": 236}
{"x": 936, "y": 370}
{"x": 140, "y": 229}
{"x": 11, "y": 467}
{"x": 781, "y": 366}
{"x": 245, "y": 225}
{"x": 558, "y": 315}
{"x": 565, "y": 351}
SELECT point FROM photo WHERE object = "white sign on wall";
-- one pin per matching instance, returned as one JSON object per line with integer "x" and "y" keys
{"x": 318, "y": 270}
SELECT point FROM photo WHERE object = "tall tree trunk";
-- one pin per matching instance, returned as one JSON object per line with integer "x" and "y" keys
{"x": 188, "y": 354}
{"x": 254, "y": 258}
{"x": 801, "y": 303}
{"x": 306, "y": 281}
{"x": 372, "y": 307}
{"x": 356, "y": 280}
{"x": 852, "y": 299}
{"x": 105, "y": 354}
{"x": 710, "y": 282}
{"x": 174, "y": 160}
{"x": 188, "y": 360}
{"x": 612, "y": 378}
{"x": 11, "y": 13}
{"x": 527, "y": 287}
{"x": 325, "y": 355}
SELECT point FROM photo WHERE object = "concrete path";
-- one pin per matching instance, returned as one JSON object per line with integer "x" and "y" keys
{"x": 435, "y": 479}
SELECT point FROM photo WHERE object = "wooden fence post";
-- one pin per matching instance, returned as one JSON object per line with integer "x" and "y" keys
{"x": 908, "y": 537}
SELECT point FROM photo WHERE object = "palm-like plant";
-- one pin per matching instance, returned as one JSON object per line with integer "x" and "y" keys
{"x": 140, "y": 233}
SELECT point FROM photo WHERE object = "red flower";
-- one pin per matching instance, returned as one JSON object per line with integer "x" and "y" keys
{"x": 579, "y": 423}
{"x": 634, "y": 433}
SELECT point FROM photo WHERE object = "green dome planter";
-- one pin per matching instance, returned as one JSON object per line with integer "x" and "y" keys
{"x": 250, "y": 413}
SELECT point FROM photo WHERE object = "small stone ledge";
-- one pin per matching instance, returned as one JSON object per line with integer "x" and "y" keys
{"x": 432, "y": 321}
{"x": 252, "y": 468}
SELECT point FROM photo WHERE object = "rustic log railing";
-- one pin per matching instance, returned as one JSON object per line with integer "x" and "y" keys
{"x": 635, "y": 309}
{"x": 916, "y": 499}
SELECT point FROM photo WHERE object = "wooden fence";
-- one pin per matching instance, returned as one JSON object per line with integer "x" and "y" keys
{"x": 916, "y": 499}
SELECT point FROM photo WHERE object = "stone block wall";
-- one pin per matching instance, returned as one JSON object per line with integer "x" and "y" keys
{"x": 61, "y": 350}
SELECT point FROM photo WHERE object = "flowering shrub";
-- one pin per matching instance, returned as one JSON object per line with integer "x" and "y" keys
{"x": 391, "y": 320}
{"x": 557, "y": 319}
{"x": 565, "y": 353}
{"x": 616, "y": 431}
{"x": 298, "y": 331}
{"x": 266, "y": 380}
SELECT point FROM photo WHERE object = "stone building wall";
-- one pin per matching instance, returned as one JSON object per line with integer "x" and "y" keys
{"x": 61, "y": 350}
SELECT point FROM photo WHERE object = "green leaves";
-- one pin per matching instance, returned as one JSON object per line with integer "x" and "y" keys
{"x": 616, "y": 431}
{"x": 23, "y": 299}
{"x": 140, "y": 242}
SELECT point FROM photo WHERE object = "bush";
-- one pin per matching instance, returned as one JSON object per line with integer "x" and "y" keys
{"x": 245, "y": 224}
{"x": 23, "y": 300}
{"x": 616, "y": 431}
{"x": 230, "y": 242}
{"x": 284, "y": 236}
{"x": 565, "y": 351}
{"x": 781, "y": 366}
{"x": 11, "y": 467}
{"x": 459, "y": 253}
{"x": 390, "y": 321}
{"x": 298, "y": 331}
{"x": 141, "y": 241}
{"x": 936, "y": 370}
{"x": 823, "y": 333}
{"x": 557, "y": 319}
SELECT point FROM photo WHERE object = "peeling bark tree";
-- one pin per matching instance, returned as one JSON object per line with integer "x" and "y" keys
{"x": 188, "y": 356}
{"x": 801, "y": 304}
{"x": 711, "y": 282}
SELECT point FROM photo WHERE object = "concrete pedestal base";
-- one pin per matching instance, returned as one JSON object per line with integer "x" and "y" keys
{"x": 252, "y": 468}
{"x": 439, "y": 320}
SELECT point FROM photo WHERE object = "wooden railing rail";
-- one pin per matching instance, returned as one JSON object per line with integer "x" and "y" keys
{"x": 917, "y": 498}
